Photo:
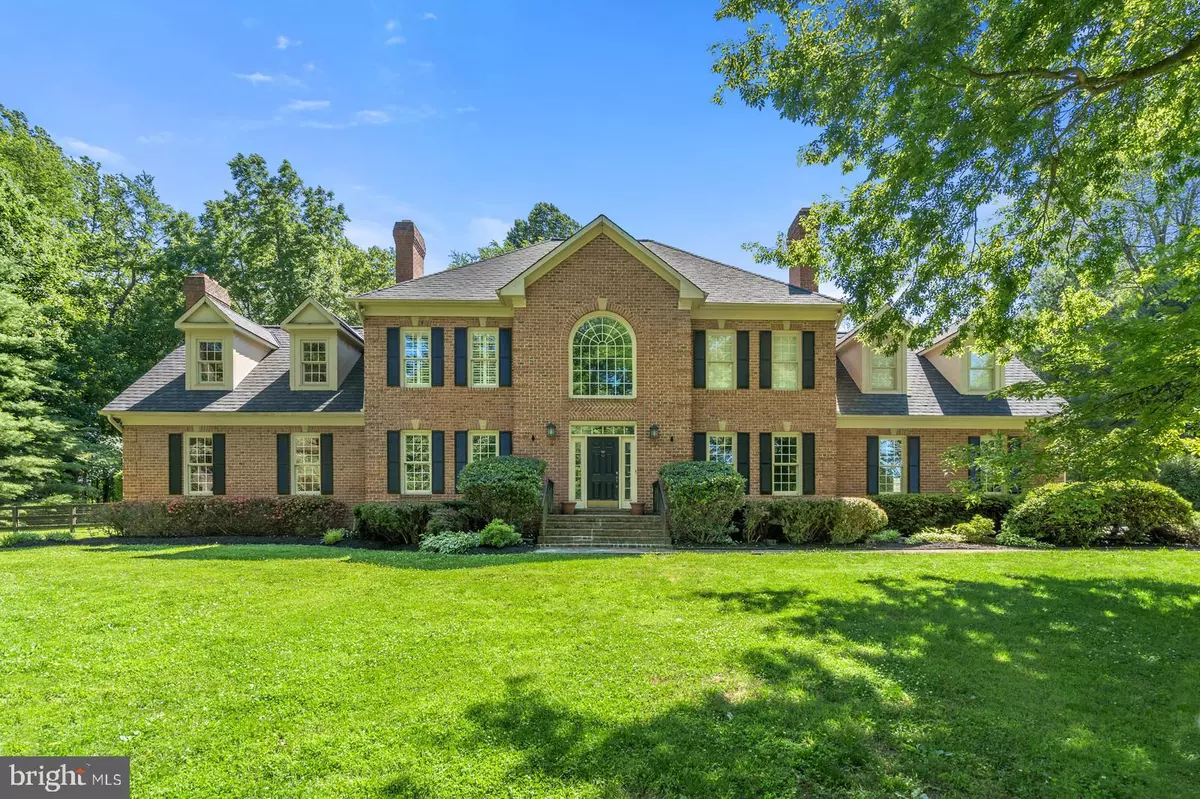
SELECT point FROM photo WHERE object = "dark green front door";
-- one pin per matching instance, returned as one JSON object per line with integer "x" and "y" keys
{"x": 602, "y": 471}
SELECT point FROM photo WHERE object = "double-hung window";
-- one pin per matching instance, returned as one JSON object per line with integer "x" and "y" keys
{"x": 306, "y": 464}
{"x": 485, "y": 358}
{"x": 720, "y": 360}
{"x": 484, "y": 444}
{"x": 891, "y": 465}
{"x": 884, "y": 370}
{"x": 314, "y": 363}
{"x": 418, "y": 372}
{"x": 418, "y": 463}
{"x": 785, "y": 463}
{"x": 981, "y": 372}
{"x": 722, "y": 448}
{"x": 199, "y": 466}
{"x": 211, "y": 357}
{"x": 785, "y": 361}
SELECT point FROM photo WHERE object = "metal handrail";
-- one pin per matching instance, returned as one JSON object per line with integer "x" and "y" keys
{"x": 660, "y": 504}
{"x": 547, "y": 503}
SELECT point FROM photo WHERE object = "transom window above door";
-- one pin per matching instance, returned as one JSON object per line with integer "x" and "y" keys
{"x": 603, "y": 358}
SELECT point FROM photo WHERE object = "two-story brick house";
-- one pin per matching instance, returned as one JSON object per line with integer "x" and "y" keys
{"x": 604, "y": 355}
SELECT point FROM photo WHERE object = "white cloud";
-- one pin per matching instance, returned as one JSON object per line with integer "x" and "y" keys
{"x": 282, "y": 42}
{"x": 390, "y": 25}
{"x": 281, "y": 79}
{"x": 372, "y": 117}
{"x": 309, "y": 123}
{"x": 307, "y": 105}
{"x": 365, "y": 233}
{"x": 483, "y": 230}
{"x": 395, "y": 40}
{"x": 429, "y": 15}
{"x": 92, "y": 151}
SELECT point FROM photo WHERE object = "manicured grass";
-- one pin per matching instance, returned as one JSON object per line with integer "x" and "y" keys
{"x": 269, "y": 671}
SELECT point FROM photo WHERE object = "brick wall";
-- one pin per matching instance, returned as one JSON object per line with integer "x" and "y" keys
{"x": 250, "y": 464}
{"x": 852, "y": 456}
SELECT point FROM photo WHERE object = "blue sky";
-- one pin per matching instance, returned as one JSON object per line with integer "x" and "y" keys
{"x": 457, "y": 115}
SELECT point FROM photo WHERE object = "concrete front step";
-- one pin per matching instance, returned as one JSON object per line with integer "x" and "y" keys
{"x": 609, "y": 539}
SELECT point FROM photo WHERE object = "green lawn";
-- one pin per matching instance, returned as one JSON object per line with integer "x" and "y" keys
{"x": 300, "y": 671}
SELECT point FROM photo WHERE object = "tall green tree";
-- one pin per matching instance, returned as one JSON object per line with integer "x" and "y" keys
{"x": 544, "y": 222}
{"x": 274, "y": 241}
{"x": 992, "y": 141}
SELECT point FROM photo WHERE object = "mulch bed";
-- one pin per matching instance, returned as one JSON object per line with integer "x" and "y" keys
{"x": 286, "y": 540}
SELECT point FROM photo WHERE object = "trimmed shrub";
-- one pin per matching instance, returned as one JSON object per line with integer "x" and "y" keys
{"x": 499, "y": 534}
{"x": 911, "y": 513}
{"x": 333, "y": 537}
{"x": 858, "y": 519}
{"x": 702, "y": 497}
{"x": 1183, "y": 475}
{"x": 393, "y": 522}
{"x": 885, "y": 537}
{"x": 303, "y": 516}
{"x": 446, "y": 518}
{"x": 975, "y": 531}
{"x": 1013, "y": 540}
{"x": 807, "y": 520}
{"x": 932, "y": 535}
{"x": 506, "y": 488}
{"x": 1078, "y": 514}
{"x": 450, "y": 543}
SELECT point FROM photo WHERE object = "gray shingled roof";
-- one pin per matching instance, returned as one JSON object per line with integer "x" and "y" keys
{"x": 266, "y": 389}
{"x": 246, "y": 324}
{"x": 930, "y": 394}
{"x": 482, "y": 279}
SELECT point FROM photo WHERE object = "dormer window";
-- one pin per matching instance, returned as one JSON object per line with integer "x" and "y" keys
{"x": 884, "y": 371}
{"x": 211, "y": 357}
{"x": 314, "y": 361}
{"x": 981, "y": 372}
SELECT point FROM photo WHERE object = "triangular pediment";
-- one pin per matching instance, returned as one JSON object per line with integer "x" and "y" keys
{"x": 208, "y": 314}
{"x": 513, "y": 292}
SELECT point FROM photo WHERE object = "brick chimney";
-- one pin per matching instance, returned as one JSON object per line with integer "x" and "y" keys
{"x": 804, "y": 277}
{"x": 410, "y": 251}
{"x": 199, "y": 285}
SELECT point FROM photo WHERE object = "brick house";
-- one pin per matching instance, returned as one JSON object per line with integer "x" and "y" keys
{"x": 604, "y": 355}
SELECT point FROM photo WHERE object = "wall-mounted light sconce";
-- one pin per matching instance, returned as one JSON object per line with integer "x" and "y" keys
{"x": 654, "y": 432}
{"x": 551, "y": 430}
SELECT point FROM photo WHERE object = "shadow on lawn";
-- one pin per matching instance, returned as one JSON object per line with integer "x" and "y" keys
{"x": 1035, "y": 686}
{"x": 374, "y": 557}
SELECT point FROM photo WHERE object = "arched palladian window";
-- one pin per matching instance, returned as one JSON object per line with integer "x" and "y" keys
{"x": 602, "y": 358}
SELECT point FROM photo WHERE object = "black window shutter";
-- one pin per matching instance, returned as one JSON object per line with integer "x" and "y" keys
{"x": 1014, "y": 443}
{"x": 437, "y": 356}
{"x": 743, "y": 458}
{"x": 393, "y": 461}
{"x": 973, "y": 470}
{"x": 764, "y": 463}
{"x": 764, "y": 359}
{"x": 460, "y": 356}
{"x": 175, "y": 463}
{"x": 506, "y": 356}
{"x": 327, "y": 463}
{"x": 505, "y": 442}
{"x": 393, "y": 356}
{"x": 699, "y": 446}
{"x": 743, "y": 359}
{"x": 438, "y": 441}
{"x": 872, "y": 464}
{"x": 699, "y": 374}
{"x": 283, "y": 463}
{"x": 807, "y": 345}
{"x": 808, "y": 462}
{"x": 218, "y": 463}
{"x": 460, "y": 454}
{"x": 914, "y": 464}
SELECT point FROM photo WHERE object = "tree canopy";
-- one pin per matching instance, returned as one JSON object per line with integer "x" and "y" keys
{"x": 544, "y": 222}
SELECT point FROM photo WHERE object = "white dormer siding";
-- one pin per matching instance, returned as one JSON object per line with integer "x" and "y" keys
{"x": 330, "y": 343}
{"x": 861, "y": 362}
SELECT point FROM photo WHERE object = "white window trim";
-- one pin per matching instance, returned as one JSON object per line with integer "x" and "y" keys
{"x": 473, "y": 434}
{"x": 192, "y": 346}
{"x": 901, "y": 386}
{"x": 792, "y": 334}
{"x": 187, "y": 463}
{"x": 428, "y": 434}
{"x": 295, "y": 482}
{"x": 997, "y": 372}
{"x": 633, "y": 377}
{"x": 428, "y": 333}
{"x": 799, "y": 465}
{"x": 297, "y": 342}
{"x": 471, "y": 332}
{"x": 902, "y": 481}
{"x": 708, "y": 360}
{"x": 708, "y": 445}
{"x": 579, "y": 434}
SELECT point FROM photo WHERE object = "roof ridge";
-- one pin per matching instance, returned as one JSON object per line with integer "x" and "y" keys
{"x": 737, "y": 268}
{"x": 463, "y": 266}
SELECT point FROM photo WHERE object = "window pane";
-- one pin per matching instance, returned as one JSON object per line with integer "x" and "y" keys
{"x": 883, "y": 371}
{"x": 200, "y": 465}
{"x": 982, "y": 372}
{"x": 720, "y": 449}
{"x": 306, "y": 464}
{"x": 785, "y": 472}
{"x": 485, "y": 359}
{"x": 313, "y": 359}
{"x": 416, "y": 359}
{"x": 484, "y": 445}
{"x": 891, "y": 465}
{"x": 418, "y": 464}
{"x": 720, "y": 360}
{"x": 628, "y": 470}
{"x": 602, "y": 359}
{"x": 785, "y": 375}
{"x": 212, "y": 363}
